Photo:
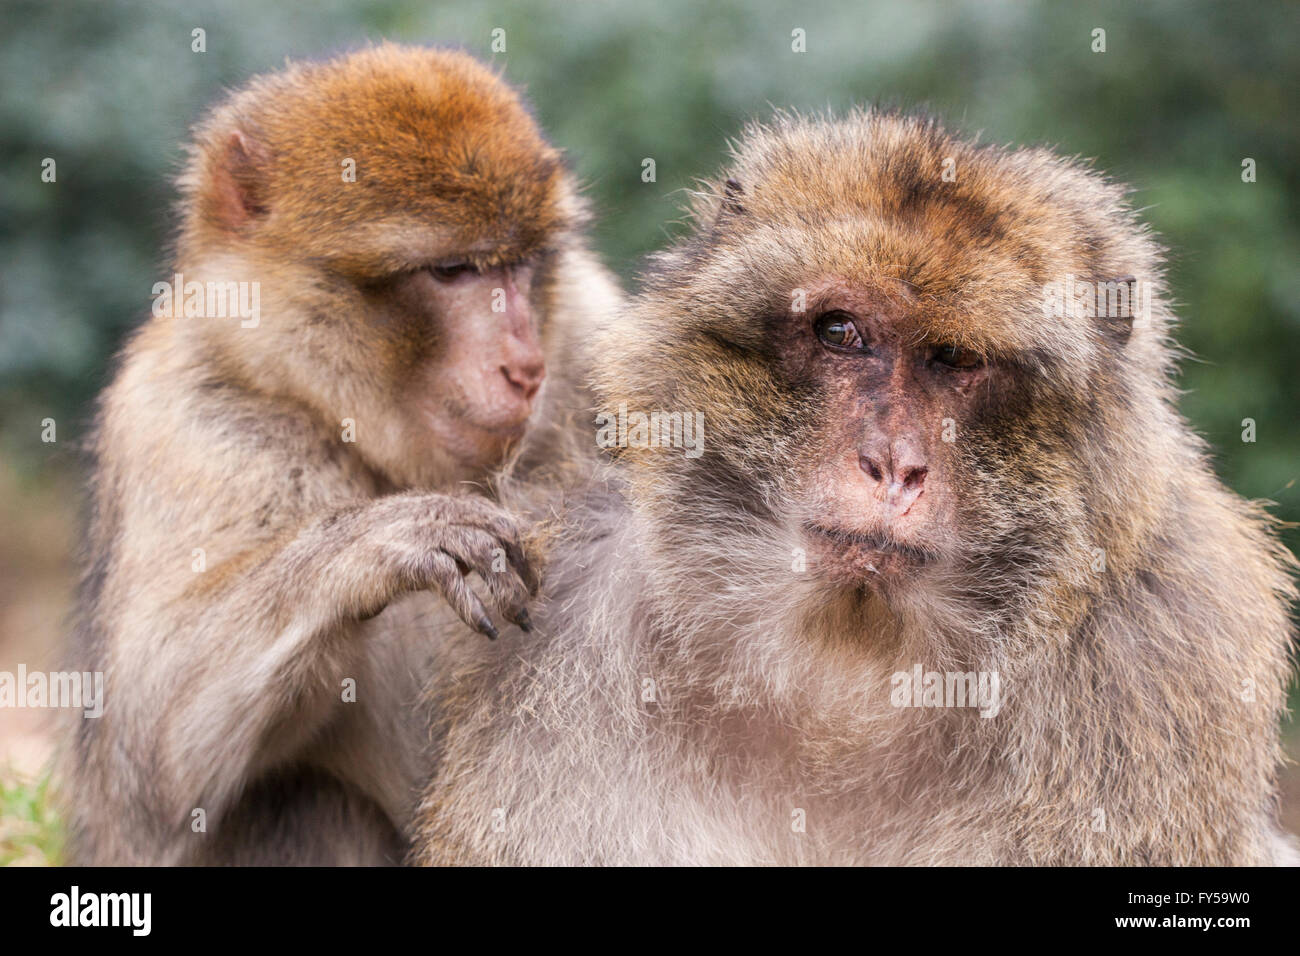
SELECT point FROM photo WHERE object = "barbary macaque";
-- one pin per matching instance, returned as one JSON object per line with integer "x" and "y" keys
{"x": 377, "y": 257}
{"x": 952, "y": 581}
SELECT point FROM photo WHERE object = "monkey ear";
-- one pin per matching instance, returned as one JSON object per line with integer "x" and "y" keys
{"x": 240, "y": 180}
{"x": 731, "y": 204}
{"x": 1118, "y": 328}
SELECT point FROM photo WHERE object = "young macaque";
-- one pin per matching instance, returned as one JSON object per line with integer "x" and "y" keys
{"x": 379, "y": 258}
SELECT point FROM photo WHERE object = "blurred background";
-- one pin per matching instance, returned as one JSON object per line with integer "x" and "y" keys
{"x": 1184, "y": 92}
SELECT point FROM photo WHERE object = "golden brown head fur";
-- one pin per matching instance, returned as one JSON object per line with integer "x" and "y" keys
{"x": 435, "y": 127}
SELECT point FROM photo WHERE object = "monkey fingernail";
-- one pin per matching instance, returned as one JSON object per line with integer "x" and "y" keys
{"x": 487, "y": 628}
{"x": 524, "y": 621}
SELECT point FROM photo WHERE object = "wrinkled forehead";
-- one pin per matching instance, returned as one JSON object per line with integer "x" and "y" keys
{"x": 930, "y": 279}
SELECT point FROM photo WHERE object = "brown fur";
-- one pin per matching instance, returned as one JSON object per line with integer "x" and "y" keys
{"x": 224, "y": 687}
{"x": 1124, "y": 735}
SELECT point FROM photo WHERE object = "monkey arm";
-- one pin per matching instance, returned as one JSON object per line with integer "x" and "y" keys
{"x": 259, "y": 649}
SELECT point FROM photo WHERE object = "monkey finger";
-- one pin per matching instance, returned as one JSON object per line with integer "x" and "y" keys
{"x": 498, "y": 523}
{"x": 509, "y": 593}
{"x": 447, "y": 578}
{"x": 529, "y": 572}
{"x": 508, "y": 589}
{"x": 481, "y": 551}
{"x": 523, "y": 566}
{"x": 511, "y": 540}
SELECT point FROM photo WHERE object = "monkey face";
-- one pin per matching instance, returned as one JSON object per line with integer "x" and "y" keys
{"x": 466, "y": 354}
{"x": 869, "y": 342}
{"x": 929, "y": 457}
{"x": 878, "y": 500}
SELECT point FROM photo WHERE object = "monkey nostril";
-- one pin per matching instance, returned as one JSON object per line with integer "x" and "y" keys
{"x": 526, "y": 380}
{"x": 915, "y": 478}
{"x": 871, "y": 468}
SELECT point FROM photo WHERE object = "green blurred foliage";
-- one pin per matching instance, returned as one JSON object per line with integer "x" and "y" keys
{"x": 1184, "y": 91}
{"x": 30, "y": 831}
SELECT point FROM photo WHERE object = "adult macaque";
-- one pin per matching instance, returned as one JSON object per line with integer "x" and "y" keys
{"x": 283, "y": 490}
{"x": 912, "y": 470}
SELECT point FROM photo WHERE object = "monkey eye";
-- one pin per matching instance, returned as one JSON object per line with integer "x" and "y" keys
{"x": 956, "y": 357}
{"x": 837, "y": 331}
{"x": 448, "y": 271}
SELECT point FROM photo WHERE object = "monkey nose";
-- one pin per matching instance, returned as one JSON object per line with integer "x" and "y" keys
{"x": 899, "y": 485}
{"x": 525, "y": 377}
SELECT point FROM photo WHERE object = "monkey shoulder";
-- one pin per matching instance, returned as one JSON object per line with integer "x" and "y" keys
{"x": 192, "y": 469}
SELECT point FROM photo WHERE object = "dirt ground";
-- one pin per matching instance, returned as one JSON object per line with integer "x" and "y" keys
{"x": 38, "y": 518}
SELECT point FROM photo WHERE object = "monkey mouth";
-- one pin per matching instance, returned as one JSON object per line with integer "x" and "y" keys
{"x": 511, "y": 427}
{"x": 493, "y": 440}
{"x": 475, "y": 441}
{"x": 501, "y": 414}
{"x": 863, "y": 553}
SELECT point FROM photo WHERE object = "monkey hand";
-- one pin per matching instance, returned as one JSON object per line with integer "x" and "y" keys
{"x": 437, "y": 541}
